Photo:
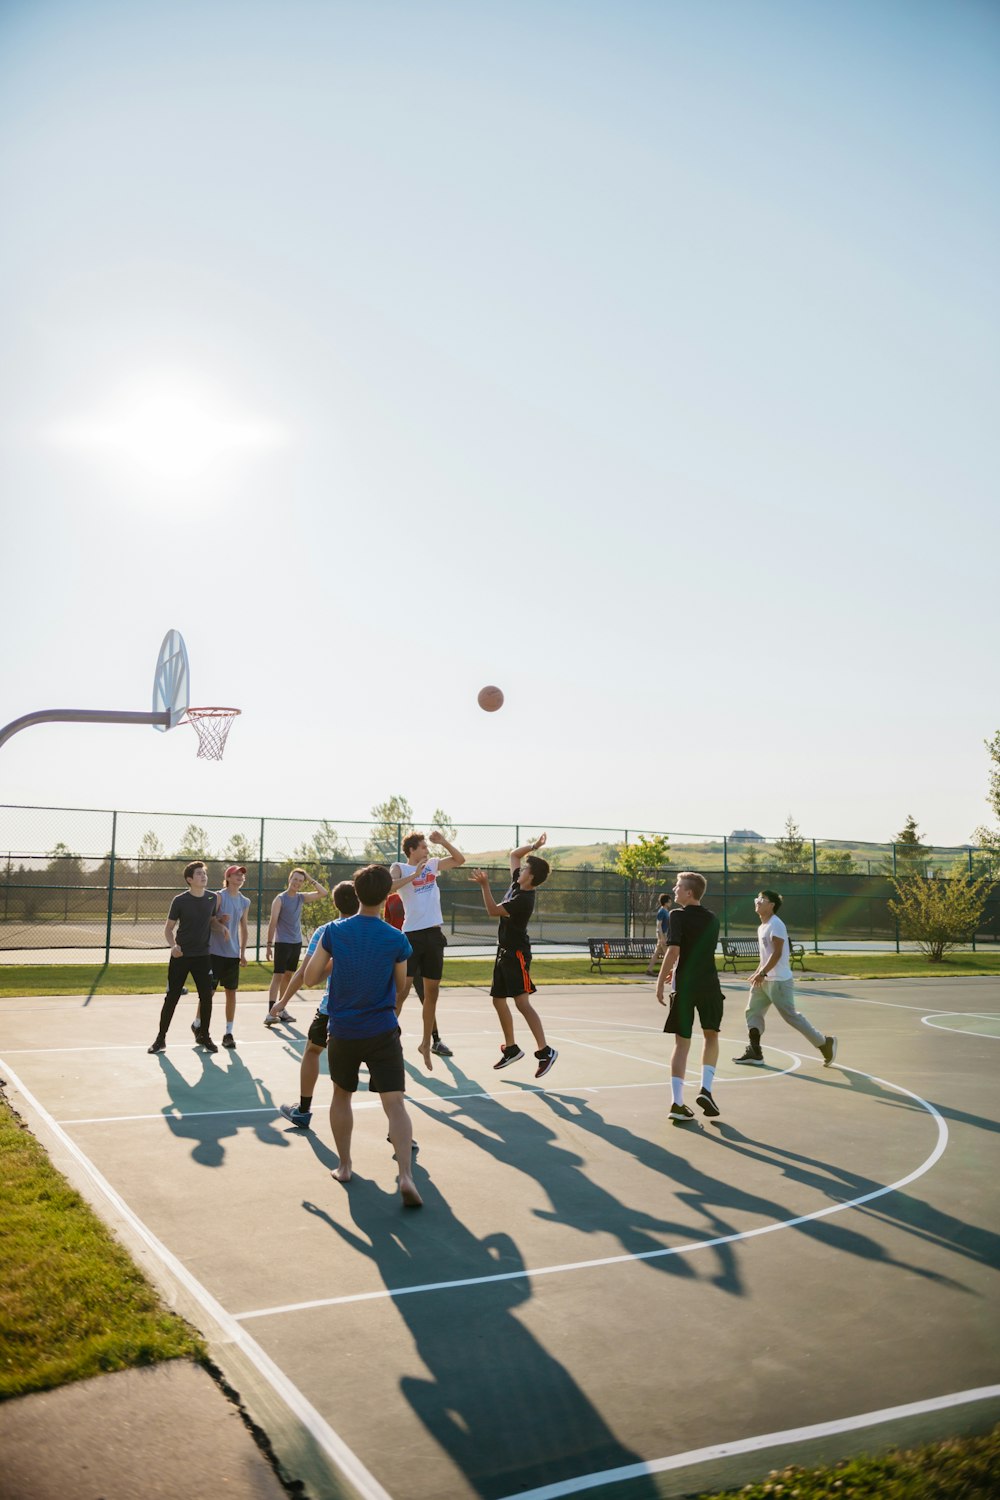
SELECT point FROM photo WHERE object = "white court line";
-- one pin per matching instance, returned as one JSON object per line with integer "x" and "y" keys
{"x": 928, "y": 1020}
{"x": 571, "y": 1041}
{"x": 754, "y": 1444}
{"x": 332, "y": 1445}
{"x": 529, "y": 1273}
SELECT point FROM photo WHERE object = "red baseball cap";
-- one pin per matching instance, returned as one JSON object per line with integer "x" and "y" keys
{"x": 236, "y": 870}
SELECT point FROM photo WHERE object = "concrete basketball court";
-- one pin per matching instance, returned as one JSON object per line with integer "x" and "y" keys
{"x": 592, "y": 1299}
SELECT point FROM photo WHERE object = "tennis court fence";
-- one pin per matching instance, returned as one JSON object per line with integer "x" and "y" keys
{"x": 97, "y": 880}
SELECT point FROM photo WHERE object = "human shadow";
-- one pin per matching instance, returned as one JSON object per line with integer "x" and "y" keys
{"x": 508, "y": 1414}
{"x": 914, "y": 1215}
{"x": 520, "y": 1140}
{"x": 193, "y": 1112}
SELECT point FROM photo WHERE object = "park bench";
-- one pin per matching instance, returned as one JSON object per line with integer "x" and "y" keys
{"x": 610, "y": 949}
{"x": 734, "y": 948}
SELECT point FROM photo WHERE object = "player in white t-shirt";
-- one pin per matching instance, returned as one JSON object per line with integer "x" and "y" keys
{"x": 415, "y": 882}
{"x": 772, "y": 984}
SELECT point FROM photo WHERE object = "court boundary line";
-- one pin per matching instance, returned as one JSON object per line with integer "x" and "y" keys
{"x": 928, "y": 1021}
{"x": 754, "y": 1444}
{"x": 689, "y": 1247}
{"x": 336, "y": 1450}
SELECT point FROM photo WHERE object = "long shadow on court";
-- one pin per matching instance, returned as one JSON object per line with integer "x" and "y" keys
{"x": 522, "y": 1141}
{"x": 232, "y": 1086}
{"x": 507, "y": 1413}
{"x": 913, "y": 1215}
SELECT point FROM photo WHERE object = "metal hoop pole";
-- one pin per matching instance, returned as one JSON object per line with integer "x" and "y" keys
{"x": 80, "y": 716}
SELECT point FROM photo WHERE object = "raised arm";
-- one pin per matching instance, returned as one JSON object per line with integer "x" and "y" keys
{"x": 399, "y": 879}
{"x": 454, "y": 859}
{"x": 480, "y": 878}
{"x": 516, "y": 855}
{"x": 318, "y": 891}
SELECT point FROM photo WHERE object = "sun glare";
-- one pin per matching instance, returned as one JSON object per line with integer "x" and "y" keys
{"x": 169, "y": 427}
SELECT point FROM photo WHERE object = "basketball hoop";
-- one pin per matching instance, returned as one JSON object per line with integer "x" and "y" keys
{"x": 212, "y": 726}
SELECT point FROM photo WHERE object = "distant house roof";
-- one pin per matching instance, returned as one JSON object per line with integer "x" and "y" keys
{"x": 747, "y": 836}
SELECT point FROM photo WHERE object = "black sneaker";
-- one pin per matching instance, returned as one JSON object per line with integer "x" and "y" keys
{"x": 829, "y": 1050}
{"x": 229, "y": 1041}
{"x": 546, "y": 1058}
{"x": 705, "y": 1102}
{"x": 508, "y": 1055}
{"x": 195, "y": 1027}
{"x": 751, "y": 1055}
{"x": 681, "y": 1113}
{"x": 441, "y": 1049}
{"x": 160, "y": 1045}
{"x": 204, "y": 1040}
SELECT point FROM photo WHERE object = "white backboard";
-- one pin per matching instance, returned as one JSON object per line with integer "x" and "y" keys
{"x": 172, "y": 682}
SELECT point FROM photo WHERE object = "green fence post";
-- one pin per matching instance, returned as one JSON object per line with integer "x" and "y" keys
{"x": 111, "y": 887}
{"x": 628, "y": 900}
{"x": 399, "y": 842}
{"x": 815, "y": 905}
{"x": 260, "y": 884}
{"x": 971, "y": 872}
{"x": 725, "y": 886}
{"x": 896, "y": 919}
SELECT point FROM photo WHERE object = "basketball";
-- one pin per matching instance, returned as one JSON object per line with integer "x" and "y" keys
{"x": 490, "y": 699}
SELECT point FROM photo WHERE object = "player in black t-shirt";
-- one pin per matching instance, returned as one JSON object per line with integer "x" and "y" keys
{"x": 187, "y": 933}
{"x": 692, "y": 935}
{"x": 511, "y": 971}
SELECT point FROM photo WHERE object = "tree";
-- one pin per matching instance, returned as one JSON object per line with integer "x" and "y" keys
{"x": 194, "y": 844}
{"x": 911, "y": 854}
{"x": 149, "y": 852}
{"x": 837, "y": 862}
{"x": 64, "y": 863}
{"x": 323, "y": 848}
{"x": 791, "y": 849}
{"x": 392, "y": 820}
{"x": 642, "y": 864}
{"x": 240, "y": 851}
{"x": 989, "y": 838}
{"x": 750, "y": 860}
{"x": 938, "y": 914}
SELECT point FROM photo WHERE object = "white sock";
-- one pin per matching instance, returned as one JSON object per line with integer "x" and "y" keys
{"x": 707, "y": 1077}
{"x": 229, "y": 1027}
{"x": 677, "y": 1089}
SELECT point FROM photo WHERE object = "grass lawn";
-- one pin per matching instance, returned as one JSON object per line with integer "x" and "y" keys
{"x": 959, "y": 1469}
{"x": 149, "y": 979}
{"x": 72, "y": 1302}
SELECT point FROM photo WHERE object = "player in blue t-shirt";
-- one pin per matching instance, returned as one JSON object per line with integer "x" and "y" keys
{"x": 662, "y": 922}
{"x": 366, "y": 960}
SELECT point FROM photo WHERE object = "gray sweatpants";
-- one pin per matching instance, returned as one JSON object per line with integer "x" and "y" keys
{"x": 781, "y": 994}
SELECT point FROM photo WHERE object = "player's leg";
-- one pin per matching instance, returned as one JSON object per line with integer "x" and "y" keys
{"x": 678, "y": 1069}
{"x": 316, "y": 1044}
{"x": 342, "y": 1126}
{"x": 783, "y": 1000}
{"x": 201, "y": 972}
{"x": 545, "y": 1055}
{"x": 177, "y": 972}
{"x": 711, "y": 1017}
{"x": 758, "y": 1003}
{"x": 503, "y": 985}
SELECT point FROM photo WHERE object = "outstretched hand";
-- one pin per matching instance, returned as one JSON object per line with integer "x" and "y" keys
{"x": 479, "y": 877}
{"x": 541, "y": 839}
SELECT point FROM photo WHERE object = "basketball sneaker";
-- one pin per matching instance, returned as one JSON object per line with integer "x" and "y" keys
{"x": 508, "y": 1055}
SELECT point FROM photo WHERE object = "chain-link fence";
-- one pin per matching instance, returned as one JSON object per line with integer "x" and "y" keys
{"x": 96, "y": 880}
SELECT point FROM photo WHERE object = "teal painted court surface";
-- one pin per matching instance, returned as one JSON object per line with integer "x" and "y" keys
{"x": 591, "y": 1300}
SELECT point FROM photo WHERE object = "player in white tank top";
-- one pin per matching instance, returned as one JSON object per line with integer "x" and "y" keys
{"x": 414, "y": 880}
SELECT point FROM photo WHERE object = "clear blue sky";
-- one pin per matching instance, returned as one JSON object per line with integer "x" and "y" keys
{"x": 639, "y": 357}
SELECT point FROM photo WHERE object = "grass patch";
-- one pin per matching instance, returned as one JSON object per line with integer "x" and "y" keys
{"x": 150, "y": 979}
{"x": 958, "y": 1469}
{"x": 72, "y": 1302}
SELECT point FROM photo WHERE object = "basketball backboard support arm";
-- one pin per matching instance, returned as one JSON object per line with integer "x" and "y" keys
{"x": 82, "y": 716}
{"x": 170, "y": 698}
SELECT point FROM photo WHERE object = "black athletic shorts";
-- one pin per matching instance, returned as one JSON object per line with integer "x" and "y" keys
{"x": 319, "y": 1029}
{"x": 427, "y": 958}
{"x": 680, "y": 1016}
{"x": 383, "y": 1055}
{"x": 225, "y": 972}
{"x": 511, "y": 976}
{"x": 286, "y": 957}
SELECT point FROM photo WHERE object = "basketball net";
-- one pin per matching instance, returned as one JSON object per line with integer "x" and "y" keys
{"x": 212, "y": 726}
